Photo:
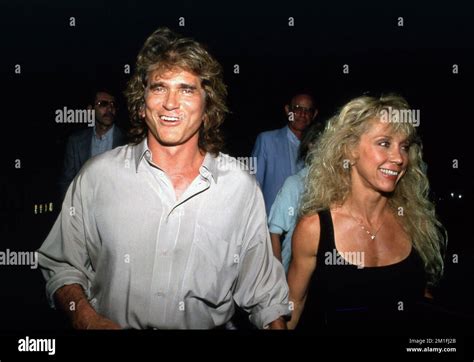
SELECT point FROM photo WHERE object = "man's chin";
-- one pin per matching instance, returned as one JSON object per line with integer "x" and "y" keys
{"x": 298, "y": 129}
{"x": 106, "y": 122}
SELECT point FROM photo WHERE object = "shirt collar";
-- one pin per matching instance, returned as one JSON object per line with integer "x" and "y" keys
{"x": 291, "y": 136}
{"x": 208, "y": 168}
{"x": 140, "y": 150}
{"x": 107, "y": 134}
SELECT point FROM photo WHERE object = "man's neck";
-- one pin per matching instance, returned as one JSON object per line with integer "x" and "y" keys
{"x": 101, "y": 129}
{"x": 297, "y": 133}
{"x": 183, "y": 158}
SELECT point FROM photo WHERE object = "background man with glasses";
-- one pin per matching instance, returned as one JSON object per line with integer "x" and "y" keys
{"x": 277, "y": 150}
{"x": 91, "y": 142}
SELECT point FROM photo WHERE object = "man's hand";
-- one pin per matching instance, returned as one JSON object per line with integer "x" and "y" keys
{"x": 94, "y": 321}
{"x": 278, "y": 324}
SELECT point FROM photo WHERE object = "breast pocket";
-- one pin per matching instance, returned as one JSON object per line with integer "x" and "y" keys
{"x": 212, "y": 268}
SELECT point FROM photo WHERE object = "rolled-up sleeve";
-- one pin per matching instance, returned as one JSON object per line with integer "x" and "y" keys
{"x": 63, "y": 257}
{"x": 261, "y": 287}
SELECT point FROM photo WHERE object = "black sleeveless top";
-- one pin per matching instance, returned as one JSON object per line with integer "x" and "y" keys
{"x": 341, "y": 294}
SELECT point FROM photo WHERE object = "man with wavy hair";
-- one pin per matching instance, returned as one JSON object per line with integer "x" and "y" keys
{"x": 166, "y": 232}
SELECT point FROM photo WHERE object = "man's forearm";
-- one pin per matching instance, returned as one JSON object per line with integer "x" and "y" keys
{"x": 73, "y": 301}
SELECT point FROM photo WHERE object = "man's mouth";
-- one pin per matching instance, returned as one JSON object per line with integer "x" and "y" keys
{"x": 170, "y": 118}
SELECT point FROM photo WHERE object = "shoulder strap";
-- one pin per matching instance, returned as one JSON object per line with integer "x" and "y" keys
{"x": 326, "y": 235}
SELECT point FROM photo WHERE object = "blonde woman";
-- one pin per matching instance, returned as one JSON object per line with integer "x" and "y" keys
{"x": 368, "y": 244}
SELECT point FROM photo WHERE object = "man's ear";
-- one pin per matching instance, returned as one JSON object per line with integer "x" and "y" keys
{"x": 316, "y": 111}
{"x": 89, "y": 107}
{"x": 287, "y": 109}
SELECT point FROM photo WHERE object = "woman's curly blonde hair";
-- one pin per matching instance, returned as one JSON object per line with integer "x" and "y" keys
{"x": 329, "y": 178}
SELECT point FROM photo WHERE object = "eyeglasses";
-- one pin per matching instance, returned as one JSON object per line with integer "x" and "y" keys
{"x": 105, "y": 104}
{"x": 300, "y": 109}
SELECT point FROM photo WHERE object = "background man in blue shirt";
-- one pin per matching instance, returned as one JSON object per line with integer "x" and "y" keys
{"x": 277, "y": 151}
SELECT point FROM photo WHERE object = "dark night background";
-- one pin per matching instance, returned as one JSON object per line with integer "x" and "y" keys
{"x": 61, "y": 65}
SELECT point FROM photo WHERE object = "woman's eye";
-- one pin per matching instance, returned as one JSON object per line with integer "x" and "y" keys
{"x": 384, "y": 144}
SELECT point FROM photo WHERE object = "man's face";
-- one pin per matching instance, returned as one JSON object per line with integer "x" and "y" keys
{"x": 105, "y": 108}
{"x": 301, "y": 112}
{"x": 174, "y": 106}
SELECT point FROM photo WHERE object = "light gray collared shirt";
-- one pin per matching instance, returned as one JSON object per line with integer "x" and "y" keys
{"x": 147, "y": 260}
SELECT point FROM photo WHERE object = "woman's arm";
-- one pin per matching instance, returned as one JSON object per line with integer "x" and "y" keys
{"x": 305, "y": 243}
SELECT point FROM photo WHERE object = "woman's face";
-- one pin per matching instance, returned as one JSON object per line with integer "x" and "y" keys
{"x": 381, "y": 158}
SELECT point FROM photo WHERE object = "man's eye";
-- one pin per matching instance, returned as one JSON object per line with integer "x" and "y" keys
{"x": 187, "y": 91}
{"x": 158, "y": 89}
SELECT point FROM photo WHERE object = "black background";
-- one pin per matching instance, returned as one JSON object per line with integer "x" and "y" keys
{"x": 61, "y": 65}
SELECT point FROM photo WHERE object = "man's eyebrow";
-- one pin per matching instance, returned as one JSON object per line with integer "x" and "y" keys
{"x": 186, "y": 85}
{"x": 154, "y": 85}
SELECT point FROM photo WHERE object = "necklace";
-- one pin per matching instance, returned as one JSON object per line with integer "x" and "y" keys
{"x": 372, "y": 236}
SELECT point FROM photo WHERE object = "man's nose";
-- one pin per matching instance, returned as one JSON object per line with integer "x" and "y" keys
{"x": 171, "y": 101}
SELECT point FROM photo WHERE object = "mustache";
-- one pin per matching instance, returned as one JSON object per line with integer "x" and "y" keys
{"x": 108, "y": 114}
